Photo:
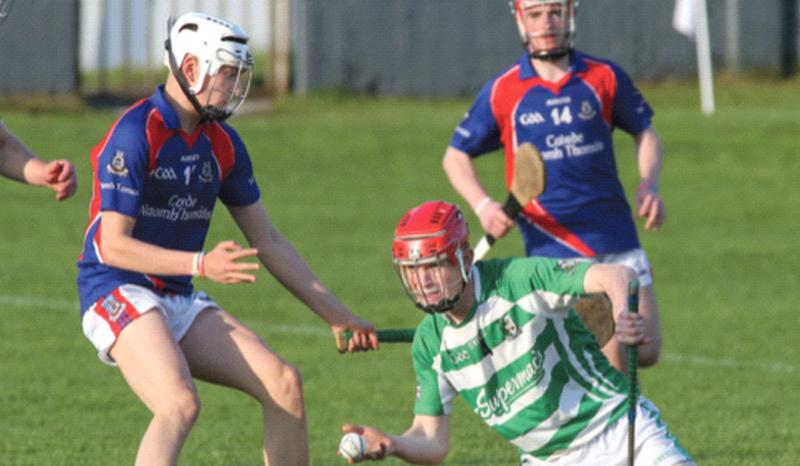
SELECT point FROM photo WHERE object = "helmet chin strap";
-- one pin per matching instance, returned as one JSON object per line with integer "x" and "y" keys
{"x": 551, "y": 55}
{"x": 207, "y": 113}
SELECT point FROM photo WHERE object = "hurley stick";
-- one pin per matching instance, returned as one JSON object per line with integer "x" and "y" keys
{"x": 528, "y": 182}
{"x": 595, "y": 311}
{"x": 633, "y": 359}
{"x": 389, "y": 335}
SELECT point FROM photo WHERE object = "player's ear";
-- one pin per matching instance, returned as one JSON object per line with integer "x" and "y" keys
{"x": 190, "y": 69}
{"x": 469, "y": 255}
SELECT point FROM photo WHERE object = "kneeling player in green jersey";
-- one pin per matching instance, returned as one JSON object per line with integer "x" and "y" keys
{"x": 504, "y": 335}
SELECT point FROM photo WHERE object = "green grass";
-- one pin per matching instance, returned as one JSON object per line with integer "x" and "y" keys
{"x": 336, "y": 174}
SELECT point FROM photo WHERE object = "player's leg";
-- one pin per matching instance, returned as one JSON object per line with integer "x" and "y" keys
{"x": 242, "y": 360}
{"x": 155, "y": 369}
{"x": 128, "y": 327}
{"x": 657, "y": 445}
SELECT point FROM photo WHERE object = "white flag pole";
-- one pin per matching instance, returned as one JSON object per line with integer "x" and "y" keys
{"x": 704, "y": 67}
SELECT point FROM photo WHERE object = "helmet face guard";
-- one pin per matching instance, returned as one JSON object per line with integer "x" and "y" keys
{"x": 224, "y": 62}
{"x": 429, "y": 254}
{"x": 228, "y": 89}
{"x": 567, "y": 31}
{"x": 5, "y": 7}
{"x": 429, "y": 286}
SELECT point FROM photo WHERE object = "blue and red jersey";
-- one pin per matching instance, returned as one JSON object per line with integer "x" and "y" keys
{"x": 148, "y": 168}
{"x": 583, "y": 211}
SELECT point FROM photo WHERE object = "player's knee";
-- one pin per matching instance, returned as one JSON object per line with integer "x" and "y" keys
{"x": 292, "y": 388}
{"x": 180, "y": 408}
{"x": 287, "y": 391}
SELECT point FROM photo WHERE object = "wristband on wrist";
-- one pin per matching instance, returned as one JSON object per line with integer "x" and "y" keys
{"x": 482, "y": 205}
{"x": 198, "y": 264}
{"x": 647, "y": 186}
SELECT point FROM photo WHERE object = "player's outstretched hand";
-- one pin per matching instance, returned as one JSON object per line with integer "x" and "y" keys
{"x": 378, "y": 444}
{"x": 650, "y": 206}
{"x": 494, "y": 220}
{"x": 59, "y": 175}
{"x": 630, "y": 328}
{"x": 222, "y": 264}
{"x": 363, "y": 336}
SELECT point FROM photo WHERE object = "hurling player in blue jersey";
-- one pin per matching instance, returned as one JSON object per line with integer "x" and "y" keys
{"x": 567, "y": 104}
{"x": 157, "y": 175}
{"x": 17, "y": 162}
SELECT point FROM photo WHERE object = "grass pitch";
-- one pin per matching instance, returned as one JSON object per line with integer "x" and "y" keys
{"x": 725, "y": 268}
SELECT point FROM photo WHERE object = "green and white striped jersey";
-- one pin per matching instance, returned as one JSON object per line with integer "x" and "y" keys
{"x": 522, "y": 359}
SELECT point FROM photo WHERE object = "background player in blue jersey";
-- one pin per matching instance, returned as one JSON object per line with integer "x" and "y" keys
{"x": 17, "y": 162}
{"x": 503, "y": 335}
{"x": 157, "y": 175}
{"x": 567, "y": 104}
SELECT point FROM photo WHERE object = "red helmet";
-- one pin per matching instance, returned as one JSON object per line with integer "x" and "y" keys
{"x": 432, "y": 234}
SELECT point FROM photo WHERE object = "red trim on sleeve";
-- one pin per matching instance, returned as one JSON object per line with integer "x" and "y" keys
{"x": 157, "y": 133}
{"x": 222, "y": 148}
{"x": 601, "y": 79}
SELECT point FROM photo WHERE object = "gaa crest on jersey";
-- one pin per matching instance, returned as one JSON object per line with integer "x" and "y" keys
{"x": 206, "y": 175}
{"x": 531, "y": 118}
{"x": 117, "y": 165}
{"x": 587, "y": 111}
{"x": 113, "y": 307}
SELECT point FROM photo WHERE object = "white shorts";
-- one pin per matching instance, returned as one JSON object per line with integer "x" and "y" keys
{"x": 635, "y": 259}
{"x": 105, "y": 320}
{"x": 655, "y": 445}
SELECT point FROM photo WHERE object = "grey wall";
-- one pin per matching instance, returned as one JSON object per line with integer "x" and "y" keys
{"x": 451, "y": 47}
{"x": 39, "y": 47}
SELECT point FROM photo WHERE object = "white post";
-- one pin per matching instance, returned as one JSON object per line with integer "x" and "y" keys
{"x": 702, "y": 41}
{"x": 732, "y": 58}
{"x": 281, "y": 46}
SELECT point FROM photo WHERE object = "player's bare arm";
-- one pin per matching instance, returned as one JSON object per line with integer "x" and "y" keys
{"x": 613, "y": 279}
{"x": 286, "y": 264}
{"x": 18, "y": 163}
{"x": 461, "y": 172}
{"x": 650, "y": 154}
{"x": 120, "y": 249}
{"x": 13, "y": 156}
{"x": 425, "y": 442}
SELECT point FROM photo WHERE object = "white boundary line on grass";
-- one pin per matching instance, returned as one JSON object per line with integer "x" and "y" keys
{"x": 53, "y": 304}
{"x": 730, "y": 363}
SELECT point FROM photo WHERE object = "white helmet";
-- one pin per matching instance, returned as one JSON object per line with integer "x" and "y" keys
{"x": 5, "y": 6}
{"x": 215, "y": 43}
{"x": 569, "y": 8}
